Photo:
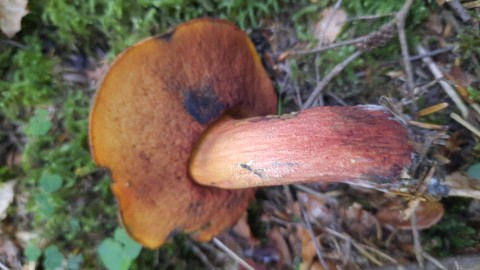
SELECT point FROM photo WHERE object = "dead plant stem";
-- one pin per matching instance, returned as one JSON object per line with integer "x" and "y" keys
{"x": 416, "y": 241}
{"x": 312, "y": 236}
{"x": 334, "y": 72}
{"x": 232, "y": 254}
{"x": 400, "y": 22}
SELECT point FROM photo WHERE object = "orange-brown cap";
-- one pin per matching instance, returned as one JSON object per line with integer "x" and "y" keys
{"x": 155, "y": 102}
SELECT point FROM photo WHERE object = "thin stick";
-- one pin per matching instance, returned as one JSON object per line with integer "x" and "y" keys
{"x": 312, "y": 236}
{"x": 381, "y": 254}
{"x": 431, "y": 53}
{"x": 469, "y": 193}
{"x": 434, "y": 261}
{"x": 400, "y": 22}
{"x": 232, "y": 254}
{"x": 321, "y": 196}
{"x": 331, "y": 46}
{"x": 437, "y": 74}
{"x": 334, "y": 72}
{"x": 355, "y": 244}
{"x": 199, "y": 253}
{"x": 400, "y": 16}
{"x": 460, "y": 10}
{"x": 416, "y": 241}
{"x": 15, "y": 44}
{"x": 3, "y": 267}
{"x": 464, "y": 123}
{"x": 371, "y": 17}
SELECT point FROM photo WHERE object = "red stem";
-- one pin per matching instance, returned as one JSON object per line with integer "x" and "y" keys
{"x": 362, "y": 145}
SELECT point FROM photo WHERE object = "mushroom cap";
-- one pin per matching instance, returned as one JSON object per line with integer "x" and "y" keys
{"x": 150, "y": 111}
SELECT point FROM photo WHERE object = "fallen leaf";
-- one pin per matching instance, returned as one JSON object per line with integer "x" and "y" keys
{"x": 9, "y": 252}
{"x": 14, "y": 158}
{"x": 6, "y": 197}
{"x": 330, "y": 25}
{"x": 280, "y": 244}
{"x": 459, "y": 180}
{"x": 428, "y": 213}
{"x": 11, "y": 14}
{"x": 358, "y": 221}
{"x": 319, "y": 211}
{"x": 434, "y": 24}
{"x": 241, "y": 228}
{"x": 308, "y": 247}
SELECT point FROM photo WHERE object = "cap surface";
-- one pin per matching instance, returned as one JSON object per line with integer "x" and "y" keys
{"x": 152, "y": 107}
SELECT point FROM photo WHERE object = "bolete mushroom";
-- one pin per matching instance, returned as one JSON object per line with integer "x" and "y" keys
{"x": 360, "y": 145}
{"x": 181, "y": 97}
{"x": 153, "y": 105}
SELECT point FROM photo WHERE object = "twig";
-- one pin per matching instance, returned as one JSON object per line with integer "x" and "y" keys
{"x": 3, "y": 267}
{"x": 331, "y": 46}
{"x": 416, "y": 241}
{"x": 199, "y": 253}
{"x": 460, "y": 10}
{"x": 381, "y": 254}
{"x": 434, "y": 261}
{"x": 367, "y": 254}
{"x": 451, "y": 20}
{"x": 399, "y": 17}
{"x": 355, "y": 244}
{"x": 468, "y": 193}
{"x": 400, "y": 22}
{"x": 14, "y": 43}
{"x": 334, "y": 72}
{"x": 371, "y": 17}
{"x": 336, "y": 98}
{"x": 319, "y": 195}
{"x": 437, "y": 74}
{"x": 232, "y": 254}
{"x": 431, "y": 53}
{"x": 471, "y": 4}
{"x": 312, "y": 236}
{"x": 464, "y": 123}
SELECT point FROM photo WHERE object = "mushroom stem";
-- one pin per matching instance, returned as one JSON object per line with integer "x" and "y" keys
{"x": 360, "y": 145}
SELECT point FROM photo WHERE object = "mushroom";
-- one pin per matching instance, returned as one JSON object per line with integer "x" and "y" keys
{"x": 360, "y": 145}
{"x": 153, "y": 105}
{"x": 189, "y": 96}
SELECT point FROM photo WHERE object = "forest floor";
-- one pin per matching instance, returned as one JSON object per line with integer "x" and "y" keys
{"x": 419, "y": 59}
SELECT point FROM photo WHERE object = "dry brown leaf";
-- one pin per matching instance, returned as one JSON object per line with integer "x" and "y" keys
{"x": 459, "y": 180}
{"x": 11, "y": 14}
{"x": 330, "y": 25}
{"x": 428, "y": 213}
{"x": 9, "y": 252}
{"x": 280, "y": 244}
{"x": 308, "y": 247}
{"x": 318, "y": 266}
{"x": 241, "y": 228}
{"x": 434, "y": 24}
{"x": 358, "y": 221}
{"x": 14, "y": 158}
{"x": 320, "y": 211}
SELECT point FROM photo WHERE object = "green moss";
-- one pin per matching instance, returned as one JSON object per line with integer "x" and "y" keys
{"x": 452, "y": 234}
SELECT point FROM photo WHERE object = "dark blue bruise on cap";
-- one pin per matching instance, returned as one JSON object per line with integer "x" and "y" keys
{"x": 203, "y": 105}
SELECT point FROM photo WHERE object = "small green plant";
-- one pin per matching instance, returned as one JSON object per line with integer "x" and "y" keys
{"x": 117, "y": 253}
{"x": 52, "y": 258}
